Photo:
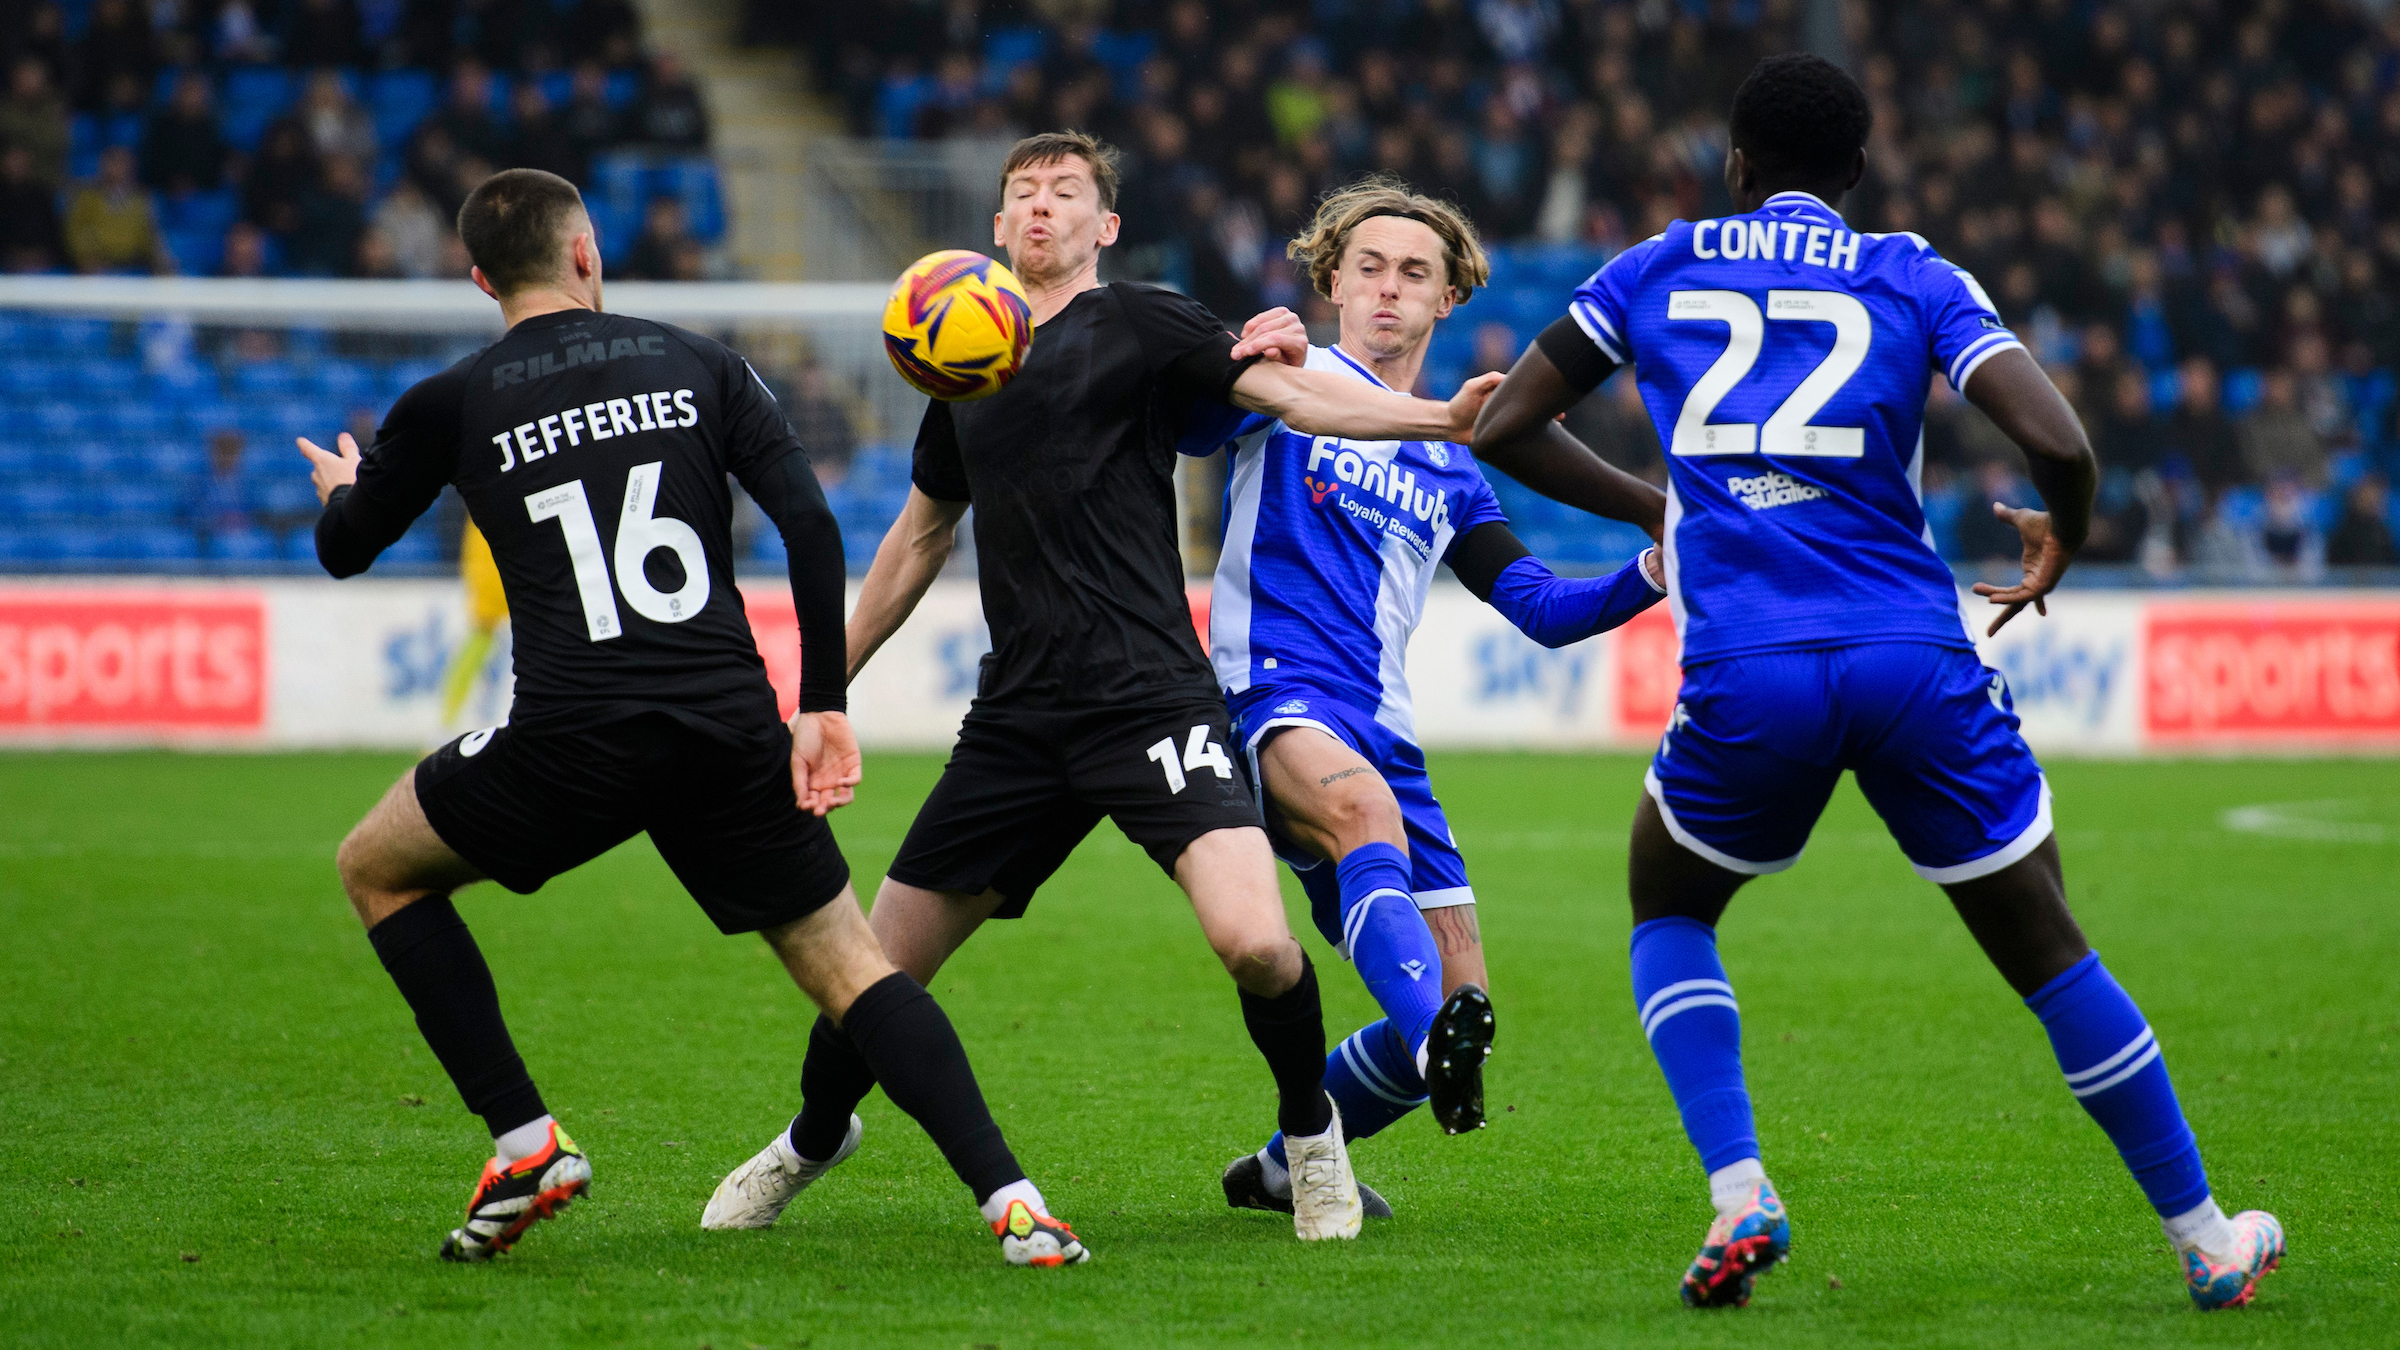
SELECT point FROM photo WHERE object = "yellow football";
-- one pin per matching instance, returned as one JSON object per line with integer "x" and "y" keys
{"x": 957, "y": 325}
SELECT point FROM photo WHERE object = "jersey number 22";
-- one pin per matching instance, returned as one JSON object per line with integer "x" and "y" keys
{"x": 638, "y": 533}
{"x": 1787, "y": 430}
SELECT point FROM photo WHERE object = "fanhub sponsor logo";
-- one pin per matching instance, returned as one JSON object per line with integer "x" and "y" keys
{"x": 1771, "y": 489}
{"x": 1395, "y": 486}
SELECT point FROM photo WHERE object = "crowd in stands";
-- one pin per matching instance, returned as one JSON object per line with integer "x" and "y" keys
{"x": 335, "y": 138}
{"x": 2189, "y": 208}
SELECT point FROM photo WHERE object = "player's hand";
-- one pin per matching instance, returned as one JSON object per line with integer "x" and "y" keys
{"x": 2045, "y": 562}
{"x": 328, "y": 471}
{"x": 1468, "y": 402}
{"x": 1654, "y": 568}
{"x": 1277, "y": 335}
{"x": 825, "y": 764}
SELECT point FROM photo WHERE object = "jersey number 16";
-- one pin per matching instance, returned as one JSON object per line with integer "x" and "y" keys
{"x": 638, "y": 533}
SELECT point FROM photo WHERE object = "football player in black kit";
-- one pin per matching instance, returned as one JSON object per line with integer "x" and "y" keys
{"x": 592, "y": 450}
{"x": 1097, "y": 698}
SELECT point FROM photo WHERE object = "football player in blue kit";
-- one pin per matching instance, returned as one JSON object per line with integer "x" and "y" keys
{"x": 1330, "y": 547}
{"x": 1785, "y": 360}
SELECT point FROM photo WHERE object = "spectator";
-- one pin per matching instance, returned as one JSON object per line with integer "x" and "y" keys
{"x": 246, "y": 252}
{"x": 30, "y": 240}
{"x": 322, "y": 33}
{"x": 2276, "y": 439}
{"x": 823, "y": 427}
{"x": 116, "y": 44}
{"x": 589, "y": 126}
{"x": 1983, "y": 536}
{"x": 670, "y": 114}
{"x": 2363, "y": 538}
{"x": 377, "y": 260}
{"x": 1495, "y": 349}
{"x": 283, "y": 171}
{"x": 2125, "y": 434}
{"x": 220, "y": 503}
{"x": 433, "y": 165}
{"x": 110, "y": 226}
{"x": 239, "y": 36}
{"x": 663, "y": 232}
{"x": 331, "y": 215}
{"x": 2198, "y": 433}
{"x": 412, "y": 228}
{"x": 33, "y": 117}
{"x": 466, "y": 120}
{"x": 1617, "y": 425}
{"x": 182, "y": 150}
{"x": 541, "y": 142}
{"x": 334, "y": 122}
{"x": 2288, "y": 539}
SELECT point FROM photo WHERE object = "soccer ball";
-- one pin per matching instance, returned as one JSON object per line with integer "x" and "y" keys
{"x": 957, "y": 325}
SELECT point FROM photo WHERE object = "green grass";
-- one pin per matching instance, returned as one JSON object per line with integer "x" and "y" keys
{"x": 218, "y": 1125}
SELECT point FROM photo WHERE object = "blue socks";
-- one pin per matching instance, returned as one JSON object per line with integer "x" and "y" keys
{"x": 1385, "y": 936}
{"x": 2113, "y": 1067}
{"x": 1695, "y": 1030}
{"x": 1373, "y": 1078}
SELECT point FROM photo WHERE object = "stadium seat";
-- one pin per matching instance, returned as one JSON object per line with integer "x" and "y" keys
{"x": 156, "y": 544}
{"x": 215, "y": 210}
{"x": 416, "y": 547}
{"x": 398, "y": 100}
{"x": 692, "y": 179}
{"x": 184, "y": 383}
{"x": 400, "y": 375}
{"x": 621, "y": 179}
{"x": 175, "y": 458}
{"x": 617, "y": 227}
{"x": 346, "y": 381}
{"x": 285, "y": 492}
{"x": 25, "y": 379}
{"x": 19, "y": 460}
{"x": 83, "y": 146}
{"x": 61, "y": 418}
{"x": 67, "y": 336}
{"x": 264, "y": 379}
{"x": 104, "y": 379}
{"x": 250, "y": 98}
{"x": 242, "y": 546}
{"x": 622, "y": 88}
{"x": 134, "y": 419}
{"x": 45, "y": 500}
{"x": 2242, "y": 390}
{"x": 133, "y": 503}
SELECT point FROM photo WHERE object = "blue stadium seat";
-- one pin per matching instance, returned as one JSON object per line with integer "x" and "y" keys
{"x": 93, "y": 461}
{"x": 202, "y": 416}
{"x": 250, "y": 98}
{"x": 558, "y": 87}
{"x": 185, "y": 383}
{"x": 617, "y": 227}
{"x": 82, "y": 543}
{"x": 415, "y": 547}
{"x": 621, "y": 178}
{"x": 398, "y": 100}
{"x": 66, "y": 336}
{"x": 693, "y": 180}
{"x": 400, "y": 375}
{"x": 156, "y": 544}
{"x": 47, "y": 500}
{"x": 346, "y": 380}
{"x": 285, "y": 493}
{"x": 623, "y": 87}
{"x": 25, "y": 379}
{"x": 264, "y": 379}
{"x": 83, "y": 146}
{"x": 105, "y": 378}
{"x": 2165, "y": 388}
{"x": 134, "y": 419}
{"x": 215, "y": 210}
{"x": 175, "y": 458}
{"x": 242, "y": 546}
{"x": 2242, "y": 390}
{"x": 767, "y": 546}
{"x": 19, "y": 460}
{"x": 134, "y": 503}
{"x": 60, "y": 418}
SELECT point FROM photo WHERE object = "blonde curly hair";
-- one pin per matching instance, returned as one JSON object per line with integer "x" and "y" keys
{"x": 1320, "y": 247}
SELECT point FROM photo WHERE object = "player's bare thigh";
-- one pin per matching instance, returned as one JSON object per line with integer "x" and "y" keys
{"x": 919, "y": 929}
{"x": 393, "y": 859}
{"x": 1326, "y": 797}
{"x": 1230, "y": 876}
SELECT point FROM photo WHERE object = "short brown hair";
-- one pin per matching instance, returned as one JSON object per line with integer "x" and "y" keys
{"x": 1319, "y": 248}
{"x": 515, "y": 225}
{"x": 1050, "y": 147}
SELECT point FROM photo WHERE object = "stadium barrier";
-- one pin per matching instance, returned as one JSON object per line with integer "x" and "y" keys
{"x": 276, "y": 664}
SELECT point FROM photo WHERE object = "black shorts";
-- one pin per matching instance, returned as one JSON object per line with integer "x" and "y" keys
{"x": 1024, "y": 786}
{"x": 524, "y": 805}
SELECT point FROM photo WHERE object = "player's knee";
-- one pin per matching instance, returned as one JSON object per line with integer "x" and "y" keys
{"x": 1366, "y": 817}
{"x": 1262, "y": 962}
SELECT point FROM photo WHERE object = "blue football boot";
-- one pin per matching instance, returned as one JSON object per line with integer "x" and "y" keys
{"x": 1738, "y": 1247}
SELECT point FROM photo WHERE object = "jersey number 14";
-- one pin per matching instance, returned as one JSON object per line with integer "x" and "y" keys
{"x": 638, "y": 533}
{"x": 1787, "y": 430}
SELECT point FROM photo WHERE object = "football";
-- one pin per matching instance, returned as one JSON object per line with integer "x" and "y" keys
{"x": 957, "y": 325}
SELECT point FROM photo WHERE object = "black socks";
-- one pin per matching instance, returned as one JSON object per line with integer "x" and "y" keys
{"x": 1289, "y": 1030}
{"x": 429, "y": 953}
{"x": 833, "y": 1081}
{"x": 904, "y": 1041}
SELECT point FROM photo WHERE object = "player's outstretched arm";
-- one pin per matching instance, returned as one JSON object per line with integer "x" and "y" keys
{"x": 1519, "y": 434}
{"x": 906, "y": 562}
{"x": 356, "y": 527}
{"x": 1499, "y": 570}
{"x": 2028, "y": 409}
{"x": 1321, "y": 403}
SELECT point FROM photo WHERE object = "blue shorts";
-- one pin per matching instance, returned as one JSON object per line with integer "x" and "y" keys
{"x": 1757, "y": 743}
{"x": 1438, "y": 875}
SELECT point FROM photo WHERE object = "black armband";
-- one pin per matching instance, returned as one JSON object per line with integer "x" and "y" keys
{"x": 1576, "y": 356}
{"x": 1479, "y": 556}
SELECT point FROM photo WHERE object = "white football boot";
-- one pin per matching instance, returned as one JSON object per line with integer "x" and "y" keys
{"x": 1325, "y": 1200}
{"x": 754, "y": 1194}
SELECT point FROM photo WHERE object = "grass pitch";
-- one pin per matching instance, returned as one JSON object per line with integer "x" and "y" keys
{"x": 218, "y": 1125}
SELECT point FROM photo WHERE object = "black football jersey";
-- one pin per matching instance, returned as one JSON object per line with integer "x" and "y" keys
{"x": 1070, "y": 468}
{"x": 592, "y": 451}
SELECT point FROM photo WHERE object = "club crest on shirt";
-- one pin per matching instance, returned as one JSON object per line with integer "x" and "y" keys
{"x": 1291, "y": 706}
{"x": 1439, "y": 453}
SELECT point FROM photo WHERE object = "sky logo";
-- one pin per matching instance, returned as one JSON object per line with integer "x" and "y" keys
{"x": 2052, "y": 675}
{"x": 1512, "y": 668}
